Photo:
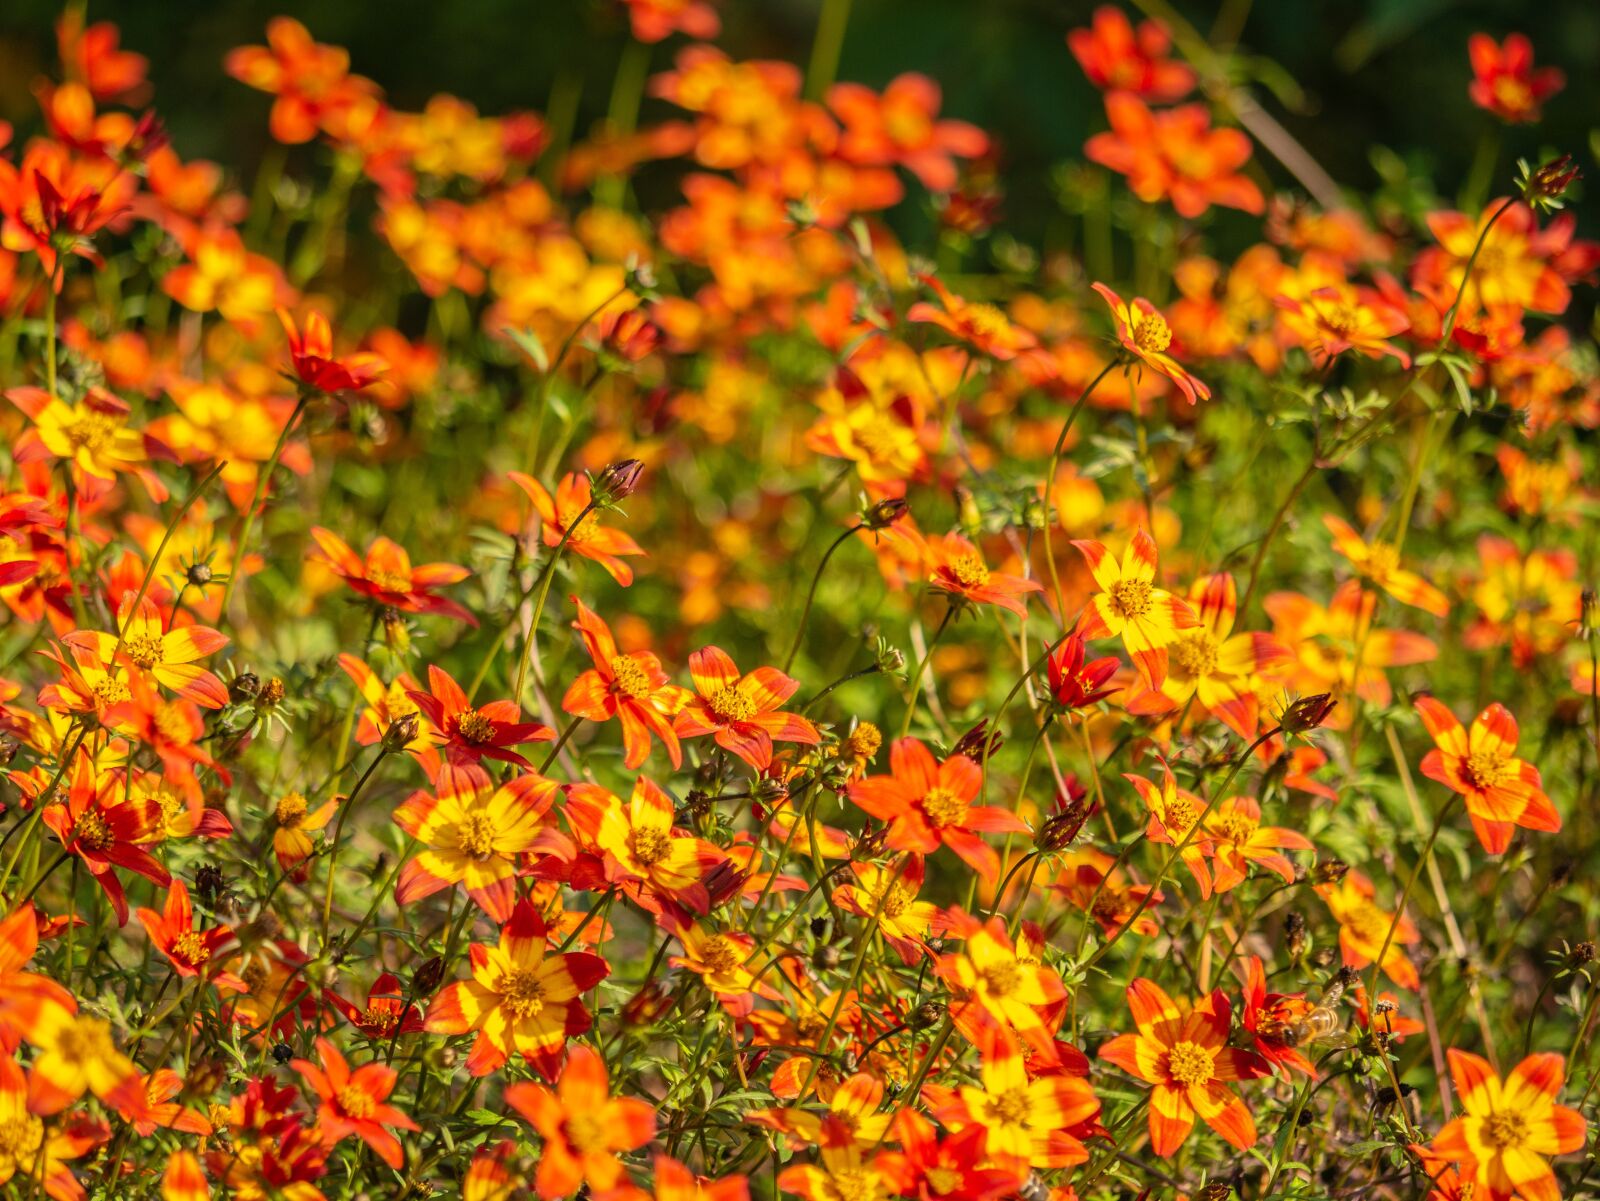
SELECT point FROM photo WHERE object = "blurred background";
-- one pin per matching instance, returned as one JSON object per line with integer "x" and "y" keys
{"x": 1374, "y": 89}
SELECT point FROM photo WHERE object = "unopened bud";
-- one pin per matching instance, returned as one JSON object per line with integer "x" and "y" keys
{"x": 1307, "y": 713}
{"x": 1216, "y": 1190}
{"x": 927, "y": 1015}
{"x": 885, "y": 513}
{"x": 401, "y": 732}
{"x": 244, "y": 687}
{"x": 1545, "y": 186}
{"x": 1295, "y": 939}
{"x": 1581, "y": 954}
{"x": 271, "y": 693}
{"x": 972, "y": 743}
{"x": 199, "y": 574}
{"x": 1331, "y": 871}
{"x": 1588, "y": 613}
{"x": 209, "y": 884}
{"x": 617, "y": 481}
{"x": 427, "y": 976}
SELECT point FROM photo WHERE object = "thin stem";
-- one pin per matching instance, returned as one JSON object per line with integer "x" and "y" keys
{"x": 262, "y": 482}
{"x": 811, "y": 594}
{"x": 1049, "y": 483}
{"x": 922, "y": 666}
{"x": 338, "y": 832}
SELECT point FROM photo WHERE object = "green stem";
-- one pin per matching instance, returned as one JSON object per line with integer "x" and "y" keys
{"x": 811, "y": 594}
{"x": 262, "y": 481}
{"x": 826, "y": 47}
{"x": 1049, "y": 483}
{"x": 338, "y": 833}
{"x": 922, "y": 666}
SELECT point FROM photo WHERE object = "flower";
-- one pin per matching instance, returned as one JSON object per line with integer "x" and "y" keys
{"x": 106, "y": 829}
{"x": 25, "y": 997}
{"x": 1501, "y": 790}
{"x": 95, "y": 435}
{"x": 928, "y": 804}
{"x": 468, "y": 735}
{"x": 929, "y": 1168}
{"x": 1504, "y": 81}
{"x": 518, "y": 997}
{"x": 32, "y": 1151}
{"x": 1364, "y": 928}
{"x": 1145, "y": 334}
{"x": 1379, "y": 562}
{"x": 1175, "y": 155}
{"x": 890, "y": 898}
{"x": 1330, "y": 320}
{"x": 192, "y": 953}
{"x": 901, "y": 126}
{"x": 386, "y": 1014}
{"x": 1075, "y": 684}
{"x": 583, "y": 1126}
{"x": 994, "y": 983}
{"x": 568, "y": 515}
{"x": 315, "y": 365}
{"x": 1508, "y": 1127}
{"x": 355, "y": 1102}
{"x": 852, "y": 1117}
{"x": 981, "y": 326}
{"x": 641, "y": 844}
{"x": 1174, "y": 813}
{"x": 1088, "y": 882}
{"x": 742, "y": 712}
{"x": 1270, "y": 1017}
{"x": 293, "y": 820}
{"x": 311, "y": 81}
{"x": 956, "y": 567}
{"x": 472, "y": 833}
{"x": 1184, "y": 1054}
{"x": 168, "y": 657}
{"x": 1129, "y": 605}
{"x": 630, "y": 687}
{"x": 1116, "y": 58}
{"x": 76, "y": 1055}
{"x": 388, "y": 579}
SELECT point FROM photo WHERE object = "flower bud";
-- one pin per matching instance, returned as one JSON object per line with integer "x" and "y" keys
{"x": 271, "y": 693}
{"x": 1307, "y": 713}
{"x": 616, "y": 481}
{"x": 427, "y": 976}
{"x": 885, "y": 513}
{"x": 1330, "y": 872}
{"x": 927, "y": 1015}
{"x": 401, "y": 733}
{"x": 1295, "y": 939}
{"x": 1545, "y": 187}
{"x": 971, "y": 744}
{"x": 199, "y": 574}
{"x": 244, "y": 687}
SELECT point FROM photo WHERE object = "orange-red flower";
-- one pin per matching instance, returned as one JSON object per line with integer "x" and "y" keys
{"x": 1175, "y": 155}
{"x": 956, "y": 567}
{"x": 311, "y": 81}
{"x": 1379, "y": 562}
{"x": 293, "y": 821}
{"x": 901, "y": 127}
{"x": 106, "y": 829}
{"x": 1504, "y": 81}
{"x": 1118, "y": 58}
{"x": 1130, "y": 606}
{"x": 1145, "y": 334}
{"x": 518, "y": 998}
{"x": 564, "y": 512}
{"x": 1075, "y": 684}
{"x": 981, "y": 326}
{"x": 1173, "y": 815}
{"x": 996, "y": 985}
{"x": 583, "y": 1126}
{"x": 641, "y": 843}
{"x": 743, "y": 713}
{"x": 1088, "y": 881}
{"x": 168, "y": 657}
{"x": 1501, "y": 790}
{"x": 630, "y": 687}
{"x": 38, "y": 1155}
{"x": 1238, "y": 839}
{"x": 468, "y": 735}
{"x": 387, "y": 1012}
{"x": 1364, "y": 927}
{"x": 1508, "y": 1128}
{"x": 387, "y": 577}
{"x": 192, "y": 952}
{"x": 1330, "y": 320}
{"x": 928, "y": 804}
{"x": 24, "y": 996}
{"x": 1270, "y": 1017}
{"x": 314, "y": 361}
{"x": 1184, "y": 1054}
{"x": 355, "y": 1102}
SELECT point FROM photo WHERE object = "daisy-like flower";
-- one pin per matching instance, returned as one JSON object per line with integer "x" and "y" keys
{"x": 1270, "y": 1016}
{"x": 1379, "y": 562}
{"x": 1501, "y": 791}
{"x": 565, "y": 511}
{"x": 314, "y": 362}
{"x": 194, "y": 953}
{"x": 1130, "y": 606}
{"x": 981, "y": 326}
{"x": 852, "y": 1116}
{"x": 468, "y": 735}
{"x": 743, "y": 713}
{"x": 518, "y": 998}
{"x": 34, "y": 1157}
{"x": 1238, "y": 839}
{"x": 641, "y": 844}
{"x": 355, "y": 1103}
{"x": 169, "y": 657}
{"x": 106, "y": 830}
{"x": 1075, "y": 684}
{"x": 1088, "y": 882}
{"x": 293, "y": 823}
{"x": 77, "y": 1055}
{"x": 994, "y": 983}
{"x": 1330, "y": 320}
{"x": 1509, "y": 1128}
{"x": 386, "y": 1012}
{"x": 1504, "y": 80}
{"x": 95, "y": 436}
{"x": 721, "y": 958}
{"x": 1174, "y": 155}
{"x": 956, "y": 567}
{"x": 472, "y": 833}
{"x": 25, "y": 996}
{"x": 387, "y": 577}
{"x": 1184, "y": 1055}
{"x": 386, "y": 704}
{"x": 1173, "y": 813}
{"x": 1144, "y": 333}
{"x": 1364, "y": 927}
{"x": 928, "y": 804}
{"x": 583, "y": 1126}
{"x": 928, "y": 1168}
{"x": 630, "y": 687}
{"x": 891, "y": 897}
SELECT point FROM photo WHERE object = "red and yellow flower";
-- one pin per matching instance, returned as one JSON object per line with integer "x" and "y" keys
{"x": 567, "y": 514}
{"x": 1144, "y": 334}
{"x": 743, "y": 713}
{"x": 631, "y": 687}
{"x": 355, "y": 1102}
{"x": 1501, "y": 791}
{"x": 1174, "y": 155}
{"x": 956, "y": 567}
{"x": 1504, "y": 80}
{"x": 387, "y": 577}
{"x": 1130, "y": 606}
{"x": 583, "y": 1126}
{"x": 1379, "y": 562}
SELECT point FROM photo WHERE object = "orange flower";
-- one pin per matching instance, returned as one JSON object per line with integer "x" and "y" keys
{"x": 1530, "y": 601}
{"x": 314, "y": 364}
{"x": 956, "y": 567}
{"x": 92, "y": 55}
{"x": 641, "y": 844}
{"x": 355, "y": 1102}
{"x": 1129, "y": 605}
{"x": 387, "y": 704}
{"x": 1513, "y": 267}
{"x": 472, "y": 834}
{"x": 54, "y": 202}
{"x": 469, "y": 735}
{"x": 565, "y": 511}
{"x": 1380, "y": 563}
{"x": 994, "y": 984}
{"x": 76, "y": 1055}
{"x": 292, "y": 820}
{"x": 311, "y": 81}
{"x": 1269, "y": 1016}
{"x": 1185, "y": 1055}
{"x": 630, "y": 687}
{"x": 94, "y": 436}
{"x": 742, "y": 712}
{"x": 981, "y": 326}
{"x": 1145, "y": 334}
{"x": 107, "y": 830}
{"x": 1173, "y": 814}
{"x": 1508, "y": 1127}
{"x": 1504, "y": 81}
{"x": 168, "y": 657}
{"x": 25, "y": 996}
{"x": 1330, "y": 320}
{"x": 1118, "y": 59}
{"x": 1364, "y": 926}
{"x": 891, "y": 898}
{"x": 388, "y": 1010}
{"x": 1175, "y": 155}
{"x": 387, "y": 577}
{"x": 656, "y": 20}
{"x": 583, "y": 1126}
{"x": 928, "y": 804}
{"x": 36, "y": 1154}
{"x": 852, "y": 1117}
{"x": 1087, "y": 882}
{"x": 1238, "y": 839}
{"x": 193, "y": 953}
{"x": 518, "y": 998}
{"x": 901, "y": 127}
{"x": 1502, "y": 791}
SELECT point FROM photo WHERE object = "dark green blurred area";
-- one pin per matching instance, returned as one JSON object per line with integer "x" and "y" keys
{"x": 1349, "y": 77}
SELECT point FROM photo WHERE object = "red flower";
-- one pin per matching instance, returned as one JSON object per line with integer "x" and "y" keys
{"x": 389, "y": 579}
{"x": 1501, "y": 790}
{"x": 1117, "y": 59}
{"x": 1075, "y": 684}
{"x": 106, "y": 830}
{"x": 192, "y": 952}
{"x": 314, "y": 364}
{"x": 386, "y": 1013}
{"x": 1504, "y": 80}
{"x": 632, "y": 688}
{"x": 354, "y": 1102}
{"x": 583, "y": 1126}
{"x": 1175, "y": 155}
{"x": 742, "y": 712}
{"x": 469, "y": 735}
{"x": 1270, "y": 1018}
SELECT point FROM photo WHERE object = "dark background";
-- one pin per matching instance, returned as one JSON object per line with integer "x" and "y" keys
{"x": 1371, "y": 73}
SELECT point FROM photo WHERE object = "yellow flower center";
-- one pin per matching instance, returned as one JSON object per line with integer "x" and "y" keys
{"x": 145, "y": 650}
{"x": 1487, "y": 769}
{"x": 1009, "y": 1108}
{"x": 19, "y": 1142}
{"x": 109, "y": 691}
{"x": 382, "y": 1020}
{"x": 583, "y": 530}
{"x": 650, "y": 846}
{"x": 628, "y": 678}
{"x": 475, "y": 835}
{"x": 985, "y": 320}
{"x": 356, "y": 1103}
{"x": 474, "y": 727}
{"x": 1195, "y": 655}
{"x": 730, "y": 705}
{"x": 190, "y": 948}
{"x": 863, "y": 742}
{"x": 1504, "y": 1128}
{"x": 721, "y": 954}
{"x": 943, "y": 808}
{"x": 854, "y": 1184}
{"x": 1512, "y": 94}
{"x": 1152, "y": 334}
{"x": 86, "y": 1042}
{"x": 522, "y": 992}
{"x": 93, "y": 831}
{"x": 1000, "y": 979}
{"x": 291, "y": 811}
{"x": 91, "y": 430}
{"x": 586, "y": 1132}
{"x": 1190, "y": 1064}
{"x": 942, "y": 1181}
{"x": 1340, "y": 320}
{"x": 1234, "y": 827}
{"x": 1131, "y": 597}
{"x": 894, "y": 901}
{"x": 1382, "y": 559}
{"x": 1178, "y": 814}
{"x": 969, "y": 570}
{"x": 390, "y": 581}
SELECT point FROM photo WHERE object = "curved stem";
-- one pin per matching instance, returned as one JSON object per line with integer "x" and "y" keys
{"x": 338, "y": 832}
{"x": 811, "y": 594}
{"x": 1049, "y": 483}
{"x": 922, "y": 666}
{"x": 262, "y": 482}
